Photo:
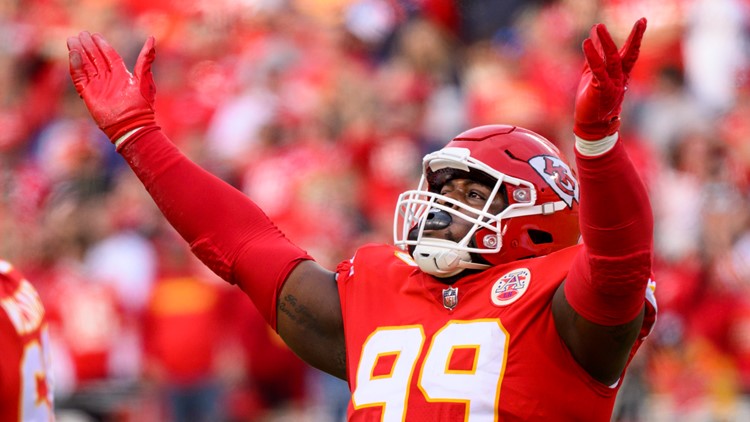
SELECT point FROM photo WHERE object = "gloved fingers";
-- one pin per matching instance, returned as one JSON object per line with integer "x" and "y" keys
{"x": 110, "y": 56}
{"x": 74, "y": 44}
{"x": 81, "y": 70}
{"x": 595, "y": 43}
{"x": 634, "y": 38}
{"x": 143, "y": 69}
{"x": 76, "y": 70}
{"x": 93, "y": 55}
{"x": 145, "y": 58}
{"x": 632, "y": 47}
{"x": 594, "y": 37}
{"x": 595, "y": 62}
{"x": 609, "y": 50}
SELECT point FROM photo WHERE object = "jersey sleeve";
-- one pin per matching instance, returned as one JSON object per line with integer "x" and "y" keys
{"x": 226, "y": 230}
{"x": 608, "y": 277}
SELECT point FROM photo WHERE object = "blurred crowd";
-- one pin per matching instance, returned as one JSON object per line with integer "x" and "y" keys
{"x": 320, "y": 110}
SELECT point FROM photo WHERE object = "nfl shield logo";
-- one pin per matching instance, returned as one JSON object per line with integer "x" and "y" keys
{"x": 450, "y": 297}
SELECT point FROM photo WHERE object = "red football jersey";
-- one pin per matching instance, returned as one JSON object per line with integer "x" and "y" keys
{"x": 484, "y": 349}
{"x": 25, "y": 384}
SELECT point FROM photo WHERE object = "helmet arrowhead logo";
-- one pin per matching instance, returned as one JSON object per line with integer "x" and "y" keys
{"x": 558, "y": 176}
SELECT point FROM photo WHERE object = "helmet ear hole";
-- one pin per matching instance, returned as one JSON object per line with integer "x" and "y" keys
{"x": 539, "y": 237}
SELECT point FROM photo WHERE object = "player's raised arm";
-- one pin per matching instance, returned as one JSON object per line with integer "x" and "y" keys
{"x": 226, "y": 230}
{"x": 600, "y": 308}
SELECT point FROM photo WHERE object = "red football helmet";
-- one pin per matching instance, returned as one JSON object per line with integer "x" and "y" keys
{"x": 540, "y": 189}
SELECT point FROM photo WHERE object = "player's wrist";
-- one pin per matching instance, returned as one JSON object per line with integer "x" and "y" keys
{"x": 133, "y": 133}
{"x": 596, "y": 130}
{"x": 594, "y": 148}
{"x": 119, "y": 142}
{"x": 127, "y": 122}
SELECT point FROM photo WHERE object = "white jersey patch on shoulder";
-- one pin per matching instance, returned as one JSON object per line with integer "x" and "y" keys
{"x": 510, "y": 287}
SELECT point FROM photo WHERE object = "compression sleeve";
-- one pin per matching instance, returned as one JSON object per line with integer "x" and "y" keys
{"x": 225, "y": 229}
{"x": 607, "y": 281}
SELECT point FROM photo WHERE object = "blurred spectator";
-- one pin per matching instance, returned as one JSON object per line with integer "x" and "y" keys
{"x": 274, "y": 382}
{"x": 715, "y": 51}
{"x": 183, "y": 337}
{"x": 124, "y": 256}
{"x": 256, "y": 89}
{"x": 669, "y": 112}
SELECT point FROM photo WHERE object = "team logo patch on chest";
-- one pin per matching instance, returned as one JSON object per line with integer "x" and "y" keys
{"x": 510, "y": 287}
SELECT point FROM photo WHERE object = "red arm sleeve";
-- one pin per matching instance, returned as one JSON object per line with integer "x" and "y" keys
{"x": 224, "y": 228}
{"x": 607, "y": 282}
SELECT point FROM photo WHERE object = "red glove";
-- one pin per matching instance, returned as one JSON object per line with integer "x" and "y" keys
{"x": 118, "y": 101}
{"x": 604, "y": 81}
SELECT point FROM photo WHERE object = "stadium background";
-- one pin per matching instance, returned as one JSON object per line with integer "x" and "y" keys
{"x": 321, "y": 111}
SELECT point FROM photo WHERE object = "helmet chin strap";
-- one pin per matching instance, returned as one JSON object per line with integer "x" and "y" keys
{"x": 441, "y": 259}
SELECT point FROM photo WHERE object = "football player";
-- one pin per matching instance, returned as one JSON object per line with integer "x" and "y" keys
{"x": 25, "y": 372}
{"x": 487, "y": 307}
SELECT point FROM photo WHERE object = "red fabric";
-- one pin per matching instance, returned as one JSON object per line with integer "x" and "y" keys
{"x": 183, "y": 328}
{"x": 23, "y": 343}
{"x": 383, "y": 292}
{"x": 276, "y": 374}
{"x": 118, "y": 101}
{"x": 224, "y": 228}
{"x": 10, "y": 387}
{"x": 89, "y": 319}
{"x": 604, "y": 81}
{"x": 443, "y": 12}
{"x": 317, "y": 219}
{"x": 607, "y": 281}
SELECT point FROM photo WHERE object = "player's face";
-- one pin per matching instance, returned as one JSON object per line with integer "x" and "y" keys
{"x": 471, "y": 193}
